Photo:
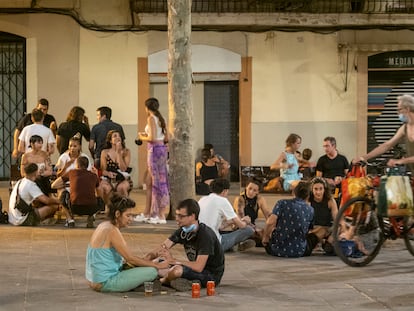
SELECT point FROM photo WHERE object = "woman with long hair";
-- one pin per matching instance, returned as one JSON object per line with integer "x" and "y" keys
{"x": 76, "y": 122}
{"x": 107, "y": 249}
{"x": 288, "y": 163}
{"x": 41, "y": 158}
{"x": 115, "y": 160}
{"x": 156, "y": 136}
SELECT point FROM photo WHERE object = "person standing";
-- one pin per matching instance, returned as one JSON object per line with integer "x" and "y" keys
{"x": 37, "y": 128}
{"x": 99, "y": 131}
{"x": 332, "y": 166}
{"x": 76, "y": 122}
{"x": 48, "y": 121}
{"x": 156, "y": 136}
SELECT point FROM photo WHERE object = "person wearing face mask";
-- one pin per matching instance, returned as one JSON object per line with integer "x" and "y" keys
{"x": 204, "y": 253}
{"x": 405, "y": 133}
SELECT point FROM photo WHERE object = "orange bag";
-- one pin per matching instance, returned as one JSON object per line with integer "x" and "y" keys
{"x": 354, "y": 185}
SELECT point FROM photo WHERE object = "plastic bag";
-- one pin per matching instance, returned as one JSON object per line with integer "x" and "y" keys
{"x": 396, "y": 197}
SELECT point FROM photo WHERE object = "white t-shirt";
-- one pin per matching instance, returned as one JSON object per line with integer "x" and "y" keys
{"x": 159, "y": 135}
{"x": 28, "y": 191}
{"x": 214, "y": 209}
{"x": 37, "y": 129}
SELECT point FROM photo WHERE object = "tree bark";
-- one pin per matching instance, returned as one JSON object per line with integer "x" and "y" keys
{"x": 181, "y": 161}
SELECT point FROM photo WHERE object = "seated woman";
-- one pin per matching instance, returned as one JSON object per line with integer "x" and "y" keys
{"x": 288, "y": 163}
{"x": 325, "y": 209}
{"x": 249, "y": 203}
{"x": 108, "y": 249}
{"x": 206, "y": 172}
{"x": 223, "y": 166}
{"x": 115, "y": 169}
{"x": 41, "y": 158}
{"x": 66, "y": 163}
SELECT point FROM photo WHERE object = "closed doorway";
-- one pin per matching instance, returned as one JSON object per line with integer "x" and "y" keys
{"x": 221, "y": 121}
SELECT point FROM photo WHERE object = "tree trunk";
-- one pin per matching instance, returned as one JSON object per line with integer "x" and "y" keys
{"x": 181, "y": 161}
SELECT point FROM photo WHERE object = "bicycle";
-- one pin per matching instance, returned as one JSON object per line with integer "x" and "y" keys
{"x": 359, "y": 231}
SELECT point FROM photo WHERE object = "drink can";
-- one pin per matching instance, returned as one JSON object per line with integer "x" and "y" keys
{"x": 211, "y": 288}
{"x": 195, "y": 290}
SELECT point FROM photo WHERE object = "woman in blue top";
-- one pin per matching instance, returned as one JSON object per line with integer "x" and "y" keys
{"x": 108, "y": 251}
{"x": 288, "y": 163}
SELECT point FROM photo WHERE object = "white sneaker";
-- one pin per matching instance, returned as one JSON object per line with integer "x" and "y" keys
{"x": 141, "y": 218}
{"x": 162, "y": 221}
{"x": 153, "y": 220}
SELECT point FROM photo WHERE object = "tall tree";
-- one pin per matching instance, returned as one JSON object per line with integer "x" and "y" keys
{"x": 179, "y": 101}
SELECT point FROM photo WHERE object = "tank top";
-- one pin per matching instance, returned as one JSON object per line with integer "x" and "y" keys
{"x": 208, "y": 172}
{"x": 251, "y": 208}
{"x": 409, "y": 147}
{"x": 159, "y": 135}
{"x": 322, "y": 215}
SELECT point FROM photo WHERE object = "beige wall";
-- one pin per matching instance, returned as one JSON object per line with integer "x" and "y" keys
{"x": 298, "y": 80}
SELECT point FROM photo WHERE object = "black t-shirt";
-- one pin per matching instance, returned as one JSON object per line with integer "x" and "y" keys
{"x": 27, "y": 120}
{"x": 331, "y": 168}
{"x": 68, "y": 129}
{"x": 202, "y": 242}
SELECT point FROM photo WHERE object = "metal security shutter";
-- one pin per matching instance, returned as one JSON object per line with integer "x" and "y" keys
{"x": 13, "y": 94}
{"x": 221, "y": 121}
{"x": 390, "y": 75}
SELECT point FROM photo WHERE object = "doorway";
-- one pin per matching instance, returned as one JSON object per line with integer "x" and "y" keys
{"x": 13, "y": 94}
{"x": 221, "y": 121}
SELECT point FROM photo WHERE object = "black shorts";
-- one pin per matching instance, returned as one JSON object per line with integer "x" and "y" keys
{"x": 311, "y": 241}
{"x": 76, "y": 209}
{"x": 203, "y": 276}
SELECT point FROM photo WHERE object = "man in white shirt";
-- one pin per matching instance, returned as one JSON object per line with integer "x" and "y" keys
{"x": 37, "y": 128}
{"x": 28, "y": 191}
{"x": 216, "y": 209}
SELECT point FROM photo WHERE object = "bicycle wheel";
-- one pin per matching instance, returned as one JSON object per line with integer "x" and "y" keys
{"x": 357, "y": 233}
{"x": 409, "y": 234}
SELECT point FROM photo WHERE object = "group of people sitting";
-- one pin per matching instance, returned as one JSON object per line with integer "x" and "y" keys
{"x": 83, "y": 186}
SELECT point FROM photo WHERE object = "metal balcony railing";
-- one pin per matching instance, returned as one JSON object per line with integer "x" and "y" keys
{"x": 283, "y": 6}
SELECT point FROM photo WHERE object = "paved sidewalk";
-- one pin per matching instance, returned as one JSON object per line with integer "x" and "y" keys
{"x": 43, "y": 269}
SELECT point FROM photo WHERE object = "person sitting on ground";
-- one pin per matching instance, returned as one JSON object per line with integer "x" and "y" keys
{"x": 216, "y": 212}
{"x": 83, "y": 186}
{"x": 204, "y": 252}
{"x": 332, "y": 166}
{"x": 206, "y": 172}
{"x": 286, "y": 233}
{"x": 43, "y": 206}
{"x": 288, "y": 163}
{"x": 306, "y": 167}
{"x": 249, "y": 203}
{"x": 325, "y": 210}
{"x": 115, "y": 169}
{"x": 108, "y": 249}
{"x": 42, "y": 159}
{"x": 222, "y": 165}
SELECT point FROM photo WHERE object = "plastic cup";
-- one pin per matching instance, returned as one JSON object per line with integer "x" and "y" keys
{"x": 148, "y": 286}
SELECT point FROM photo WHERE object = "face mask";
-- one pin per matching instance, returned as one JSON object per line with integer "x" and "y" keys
{"x": 402, "y": 117}
{"x": 189, "y": 228}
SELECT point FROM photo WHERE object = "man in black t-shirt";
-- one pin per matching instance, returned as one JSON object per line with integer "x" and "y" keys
{"x": 332, "y": 166}
{"x": 203, "y": 249}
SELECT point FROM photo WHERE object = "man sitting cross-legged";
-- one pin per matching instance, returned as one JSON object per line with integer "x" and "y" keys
{"x": 217, "y": 212}
{"x": 204, "y": 253}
